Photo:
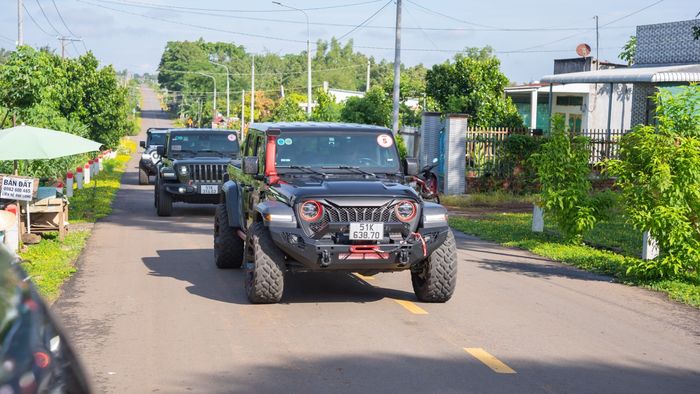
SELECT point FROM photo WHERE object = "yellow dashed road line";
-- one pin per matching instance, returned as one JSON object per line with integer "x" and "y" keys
{"x": 365, "y": 278}
{"x": 491, "y": 361}
{"x": 411, "y": 307}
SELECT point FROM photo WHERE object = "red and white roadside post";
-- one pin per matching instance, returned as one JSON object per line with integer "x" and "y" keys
{"x": 79, "y": 177}
{"x": 69, "y": 184}
{"x": 86, "y": 173}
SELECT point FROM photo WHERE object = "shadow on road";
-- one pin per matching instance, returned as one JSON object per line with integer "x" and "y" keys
{"x": 154, "y": 114}
{"x": 539, "y": 270}
{"x": 396, "y": 373}
{"x": 196, "y": 266}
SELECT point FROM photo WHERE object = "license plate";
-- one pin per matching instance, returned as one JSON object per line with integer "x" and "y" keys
{"x": 366, "y": 231}
{"x": 209, "y": 189}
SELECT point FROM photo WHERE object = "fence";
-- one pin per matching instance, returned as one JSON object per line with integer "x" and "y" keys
{"x": 486, "y": 153}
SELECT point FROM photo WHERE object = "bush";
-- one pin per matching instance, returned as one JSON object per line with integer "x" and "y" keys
{"x": 562, "y": 170}
{"x": 659, "y": 175}
{"x": 520, "y": 173}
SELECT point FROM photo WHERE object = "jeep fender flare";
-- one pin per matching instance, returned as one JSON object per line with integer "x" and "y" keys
{"x": 231, "y": 195}
{"x": 276, "y": 213}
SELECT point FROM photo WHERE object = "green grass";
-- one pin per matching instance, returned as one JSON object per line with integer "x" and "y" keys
{"x": 492, "y": 199}
{"x": 513, "y": 230}
{"x": 94, "y": 201}
{"x": 51, "y": 262}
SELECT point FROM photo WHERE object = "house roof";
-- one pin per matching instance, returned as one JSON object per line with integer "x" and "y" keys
{"x": 580, "y": 88}
{"x": 653, "y": 74}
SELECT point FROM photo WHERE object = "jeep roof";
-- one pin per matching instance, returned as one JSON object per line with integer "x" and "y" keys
{"x": 189, "y": 130}
{"x": 310, "y": 126}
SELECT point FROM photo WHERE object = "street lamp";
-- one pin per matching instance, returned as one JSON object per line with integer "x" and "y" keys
{"x": 213, "y": 116}
{"x": 308, "y": 54}
{"x": 228, "y": 100}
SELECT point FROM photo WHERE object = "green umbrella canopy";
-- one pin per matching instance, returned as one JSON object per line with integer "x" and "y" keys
{"x": 34, "y": 143}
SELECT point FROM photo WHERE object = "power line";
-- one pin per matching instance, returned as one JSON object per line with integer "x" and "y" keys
{"x": 197, "y": 11}
{"x": 281, "y": 73}
{"x": 7, "y": 39}
{"x": 35, "y": 22}
{"x": 365, "y": 21}
{"x": 276, "y": 10}
{"x": 427, "y": 37}
{"x": 605, "y": 24}
{"x": 63, "y": 21}
{"x": 46, "y": 17}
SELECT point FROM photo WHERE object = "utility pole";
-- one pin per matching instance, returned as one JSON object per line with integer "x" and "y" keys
{"x": 308, "y": 54}
{"x": 397, "y": 69}
{"x": 368, "y": 65}
{"x": 252, "y": 91}
{"x": 63, "y": 40}
{"x": 20, "y": 23}
{"x": 228, "y": 98}
{"x": 242, "y": 112}
{"x": 597, "y": 39}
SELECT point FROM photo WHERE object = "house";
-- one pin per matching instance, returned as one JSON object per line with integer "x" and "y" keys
{"x": 667, "y": 56}
{"x": 583, "y": 105}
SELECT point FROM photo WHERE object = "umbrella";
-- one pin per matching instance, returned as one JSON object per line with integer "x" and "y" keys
{"x": 32, "y": 143}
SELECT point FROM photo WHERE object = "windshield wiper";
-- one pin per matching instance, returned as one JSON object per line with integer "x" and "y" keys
{"x": 305, "y": 168}
{"x": 212, "y": 151}
{"x": 193, "y": 152}
{"x": 352, "y": 168}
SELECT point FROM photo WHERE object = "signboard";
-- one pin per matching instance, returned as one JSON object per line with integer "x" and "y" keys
{"x": 17, "y": 187}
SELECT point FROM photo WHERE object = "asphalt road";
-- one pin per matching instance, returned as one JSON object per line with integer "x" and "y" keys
{"x": 149, "y": 312}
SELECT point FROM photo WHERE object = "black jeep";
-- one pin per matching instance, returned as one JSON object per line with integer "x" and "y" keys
{"x": 192, "y": 167}
{"x": 149, "y": 159}
{"x": 329, "y": 197}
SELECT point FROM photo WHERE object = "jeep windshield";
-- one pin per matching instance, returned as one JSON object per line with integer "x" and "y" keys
{"x": 338, "y": 152}
{"x": 220, "y": 144}
{"x": 156, "y": 139}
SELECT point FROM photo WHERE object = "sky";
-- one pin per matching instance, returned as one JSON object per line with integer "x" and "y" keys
{"x": 526, "y": 35}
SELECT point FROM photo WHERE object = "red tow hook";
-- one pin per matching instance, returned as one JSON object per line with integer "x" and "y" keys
{"x": 365, "y": 252}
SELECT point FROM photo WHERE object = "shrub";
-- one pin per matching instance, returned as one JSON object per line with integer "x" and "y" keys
{"x": 562, "y": 170}
{"x": 659, "y": 175}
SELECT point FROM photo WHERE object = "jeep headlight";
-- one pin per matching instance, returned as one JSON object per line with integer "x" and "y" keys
{"x": 182, "y": 170}
{"x": 155, "y": 156}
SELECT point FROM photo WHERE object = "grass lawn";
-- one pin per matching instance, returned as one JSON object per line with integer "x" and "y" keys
{"x": 623, "y": 246}
{"x": 51, "y": 262}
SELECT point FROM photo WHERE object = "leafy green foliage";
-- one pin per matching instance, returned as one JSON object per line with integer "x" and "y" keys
{"x": 289, "y": 110}
{"x": 521, "y": 174}
{"x": 562, "y": 169}
{"x": 628, "y": 50}
{"x": 326, "y": 109}
{"x": 374, "y": 108}
{"x": 473, "y": 84}
{"x": 514, "y": 230}
{"x": 659, "y": 175}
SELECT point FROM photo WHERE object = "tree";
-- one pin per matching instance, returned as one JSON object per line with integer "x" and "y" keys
{"x": 473, "y": 84}
{"x": 289, "y": 110}
{"x": 628, "y": 50}
{"x": 659, "y": 175}
{"x": 374, "y": 108}
{"x": 326, "y": 109}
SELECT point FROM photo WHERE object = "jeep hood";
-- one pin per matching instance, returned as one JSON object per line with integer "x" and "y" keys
{"x": 294, "y": 190}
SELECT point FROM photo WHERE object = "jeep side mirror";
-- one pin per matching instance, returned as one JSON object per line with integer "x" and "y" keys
{"x": 250, "y": 165}
{"x": 161, "y": 150}
{"x": 142, "y": 144}
{"x": 410, "y": 164}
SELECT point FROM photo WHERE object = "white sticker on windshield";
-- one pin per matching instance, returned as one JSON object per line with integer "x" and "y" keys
{"x": 384, "y": 140}
{"x": 231, "y": 137}
{"x": 176, "y": 147}
{"x": 288, "y": 141}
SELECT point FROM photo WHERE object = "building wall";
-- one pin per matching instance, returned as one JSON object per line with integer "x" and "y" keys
{"x": 640, "y": 96}
{"x": 596, "y": 107}
{"x": 667, "y": 43}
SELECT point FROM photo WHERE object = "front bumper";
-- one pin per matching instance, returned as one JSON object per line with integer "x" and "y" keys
{"x": 309, "y": 254}
{"x": 194, "y": 193}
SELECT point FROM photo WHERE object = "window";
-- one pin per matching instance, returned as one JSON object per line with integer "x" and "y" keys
{"x": 570, "y": 101}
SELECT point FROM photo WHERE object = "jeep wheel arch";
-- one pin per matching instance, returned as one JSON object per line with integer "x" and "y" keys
{"x": 231, "y": 197}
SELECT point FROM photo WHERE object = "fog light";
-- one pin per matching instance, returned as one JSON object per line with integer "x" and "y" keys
{"x": 181, "y": 189}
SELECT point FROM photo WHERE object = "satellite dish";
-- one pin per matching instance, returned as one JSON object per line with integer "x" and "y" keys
{"x": 583, "y": 50}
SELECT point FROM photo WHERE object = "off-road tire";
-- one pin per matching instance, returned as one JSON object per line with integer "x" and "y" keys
{"x": 164, "y": 202}
{"x": 143, "y": 177}
{"x": 264, "y": 279}
{"x": 228, "y": 246}
{"x": 436, "y": 278}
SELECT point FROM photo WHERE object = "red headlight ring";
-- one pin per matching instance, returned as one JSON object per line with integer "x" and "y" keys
{"x": 318, "y": 215}
{"x": 401, "y": 218}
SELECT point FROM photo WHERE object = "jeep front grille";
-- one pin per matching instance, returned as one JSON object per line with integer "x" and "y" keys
{"x": 207, "y": 173}
{"x": 335, "y": 214}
